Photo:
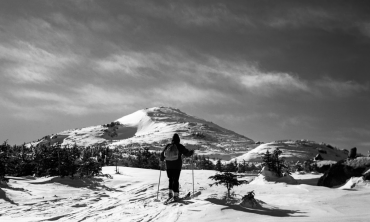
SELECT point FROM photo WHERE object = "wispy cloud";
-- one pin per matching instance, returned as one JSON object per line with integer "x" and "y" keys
{"x": 40, "y": 95}
{"x": 166, "y": 77}
{"x": 85, "y": 100}
{"x": 187, "y": 94}
{"x": 171, "y": 65}
{"x": 358, "y": 130}
{"x": 21, "y": 111}
{"x": 105, "y": 99}
{"x": 26, "y": 63}
{"x": 367, "y": 144}
{"x": 211, "y": 15}
{"x": 341, "y": 88}
{"x": 297, "y": 17}
{"x": 125, "y": 63}
{"x": 364, "y": 27}
{"x": 271, "y": 82}
{"x": 296, "y": 121}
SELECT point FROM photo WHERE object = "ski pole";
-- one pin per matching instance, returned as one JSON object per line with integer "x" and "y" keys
{"x": 160, "y": 172}
{"x": 192, "y": 170}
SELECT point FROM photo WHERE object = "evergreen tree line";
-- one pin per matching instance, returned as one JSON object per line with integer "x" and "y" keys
{"x": 58, "y": 160}
{"x": 52, "y": 160}
{"x": 280, "y": 166}
{"x": 143, "y": 158}
{"x": 234, "y": 166}
{"x": 138, "y": 157}
{"x": 204, "y": 163}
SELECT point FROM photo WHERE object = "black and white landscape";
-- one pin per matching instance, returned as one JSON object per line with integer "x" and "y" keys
{"x": 273, "y": 97}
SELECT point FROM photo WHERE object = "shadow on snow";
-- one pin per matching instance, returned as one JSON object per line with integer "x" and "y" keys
{"x": 273, "y": 211}
{"x": 94, "y": 183}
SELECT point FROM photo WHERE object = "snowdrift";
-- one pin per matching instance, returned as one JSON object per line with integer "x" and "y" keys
{"x": 355, "y": 183}
{"x": 267, "y": 176}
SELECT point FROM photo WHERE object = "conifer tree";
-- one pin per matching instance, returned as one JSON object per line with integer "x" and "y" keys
{"x": 3, "y": 160}
{"x": 267, "y": 160}
{"x": 229, "y": 180}
{"x": 218, "y": 166}
{"x": 206, "y": 164}
{"x": 244, "y": 166}
{"x": 274, "y": 163}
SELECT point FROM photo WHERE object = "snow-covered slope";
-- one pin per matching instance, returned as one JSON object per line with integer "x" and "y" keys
{"x": 154, "y": 127}
{"x": 132, "y": 196}
{"x": 294, "y": 150}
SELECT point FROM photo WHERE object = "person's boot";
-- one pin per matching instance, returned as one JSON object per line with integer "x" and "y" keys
{"x": 176, "y": 197}
{"x": 170, "y": 194}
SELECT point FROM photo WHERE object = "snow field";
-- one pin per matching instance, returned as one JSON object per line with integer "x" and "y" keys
{"x": 131, "y": 196}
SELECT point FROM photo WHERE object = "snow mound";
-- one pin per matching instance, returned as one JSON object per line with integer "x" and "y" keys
{"x": 254, "y": 203}
{"x": 294, "y": 151}
{"x": 355, "y": 183}
{"x": 267, "y": 176}
{"x": 366, "y": 175}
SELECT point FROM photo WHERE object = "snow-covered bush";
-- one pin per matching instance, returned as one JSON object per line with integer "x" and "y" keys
{"x": 274, "y": 163}
{"x": 249, "y": 201}
{"x": 90, "y": 167}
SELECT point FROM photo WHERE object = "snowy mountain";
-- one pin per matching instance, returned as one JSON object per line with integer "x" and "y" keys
{"x": 295, "y": 150}
{"x": 153, "y": 127}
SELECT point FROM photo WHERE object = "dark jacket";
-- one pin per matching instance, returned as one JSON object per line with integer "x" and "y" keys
{"x": 176, "y": 164}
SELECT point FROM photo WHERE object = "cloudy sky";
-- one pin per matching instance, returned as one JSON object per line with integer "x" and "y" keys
{"x": 266, "y": 69}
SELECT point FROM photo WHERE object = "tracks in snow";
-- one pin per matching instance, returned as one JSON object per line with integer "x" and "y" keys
{"x": 132, "y": 202}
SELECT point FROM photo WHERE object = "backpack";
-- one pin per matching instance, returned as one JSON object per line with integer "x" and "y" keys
{"x": 171, "y": 153}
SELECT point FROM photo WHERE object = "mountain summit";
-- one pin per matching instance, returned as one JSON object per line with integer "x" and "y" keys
{"x": 154, "y": 127}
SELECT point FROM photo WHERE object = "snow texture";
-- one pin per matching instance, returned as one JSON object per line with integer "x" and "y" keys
{"x": 132, "y": 196}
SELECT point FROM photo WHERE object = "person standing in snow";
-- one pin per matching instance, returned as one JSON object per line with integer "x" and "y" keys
{"x": 172, "y": 153}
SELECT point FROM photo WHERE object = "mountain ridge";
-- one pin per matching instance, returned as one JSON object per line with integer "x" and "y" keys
{"x": 154, "y": 127}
